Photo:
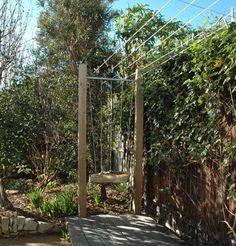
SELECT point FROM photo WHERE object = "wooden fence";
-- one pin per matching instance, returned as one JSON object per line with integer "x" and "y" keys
{"x": 193, "y": 200}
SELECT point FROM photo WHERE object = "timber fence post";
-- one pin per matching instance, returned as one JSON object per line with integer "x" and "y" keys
{"x": 138, "y": 169}
{"x": 82, "y": 140}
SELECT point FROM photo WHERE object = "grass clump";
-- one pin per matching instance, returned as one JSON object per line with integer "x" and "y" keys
{"x": 97, "y": 198}
{"x": 122, "y": 189}
{"x": 64, "y": 233}
{"x": 63, "y": 204}
{"x": 36, "y": 198}
{"x": 94, "y": 192}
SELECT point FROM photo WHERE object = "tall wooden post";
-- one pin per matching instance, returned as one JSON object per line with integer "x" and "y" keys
{"x": 82, "y": 143}
{"x": 138, "y": 169}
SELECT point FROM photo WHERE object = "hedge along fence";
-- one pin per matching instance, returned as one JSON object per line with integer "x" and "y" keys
{"x": 190, "y": 119}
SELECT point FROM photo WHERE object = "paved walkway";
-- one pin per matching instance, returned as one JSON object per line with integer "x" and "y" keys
{"x": 119, "y": 230}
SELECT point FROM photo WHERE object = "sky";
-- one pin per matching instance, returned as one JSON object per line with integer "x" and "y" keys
{"x": 172, "y": 9}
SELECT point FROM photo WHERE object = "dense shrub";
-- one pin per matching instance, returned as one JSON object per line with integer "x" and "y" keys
{"x": 190, "y": 120}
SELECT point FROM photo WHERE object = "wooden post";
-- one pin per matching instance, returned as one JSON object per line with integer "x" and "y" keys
{"x": 82, "y": 143}
{"x": 138, "y": 169}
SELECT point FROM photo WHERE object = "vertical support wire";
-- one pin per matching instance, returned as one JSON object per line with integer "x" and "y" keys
{"x": 92, "y": 127}
{"x": 130, "y": 143}
{"x": 111, "y": 128}
{"x": 108, "y": 129}
{"x": 121, "y": 144}
{"x": 101, "y": 129}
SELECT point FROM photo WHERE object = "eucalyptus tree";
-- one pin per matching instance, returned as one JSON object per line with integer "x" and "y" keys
{"x": 71, "y": 32}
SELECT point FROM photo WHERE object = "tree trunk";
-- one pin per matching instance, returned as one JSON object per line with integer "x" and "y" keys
{"x": 4, "y": 202}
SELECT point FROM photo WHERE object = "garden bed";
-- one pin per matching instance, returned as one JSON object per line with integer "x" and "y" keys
{"x": 24, "y": 218}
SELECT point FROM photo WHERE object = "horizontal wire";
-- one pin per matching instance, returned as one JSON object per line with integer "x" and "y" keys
{"x": 186, "y": 43}
{"x": 182, "y": 27}
{"x": 171, "y": 58}
{"x": 179, "y": 29}
{"x": 119, "y": 46}
{"x": 110, "y": 79}
{"x": 180, "y": 46}
{"x": 179, "y": 52}
{"x": 155, "y": 33}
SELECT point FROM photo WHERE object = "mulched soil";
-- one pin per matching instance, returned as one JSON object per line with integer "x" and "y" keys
{"x": 21, "y": 206}
{"x": 116, "y": 203}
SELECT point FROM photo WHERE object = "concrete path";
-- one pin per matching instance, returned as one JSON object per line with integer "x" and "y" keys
{"x": 119, "y": 230}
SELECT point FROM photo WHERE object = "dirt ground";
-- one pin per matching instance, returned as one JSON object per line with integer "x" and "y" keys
{"x": 35, "y": 240}
{"x": 115, "y": 203}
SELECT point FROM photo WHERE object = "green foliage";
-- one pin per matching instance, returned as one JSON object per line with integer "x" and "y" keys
{"x": 51, "y": 184}
{"x": 51, "y": 208}
{"x": 38, "y": 112}
{"x": 127, "y": 24}
{"x": 63, "y": 204}
{"x": 68, "y": 201}
{"x": 69, "y": 33}
{"x": 18, "y": 126}
{"x": 97, "y": 198}
{"x": 94, "y": 191}
{"x": 64, "y": 233}
{"x": 132, "y": 20}
{"x": 36, "y": 198}
{"x": 188, "y": 101}
{"x": 122, "y": 188}
{"x": 20, "y": 184}
{"x": 23, "y": 169}
{"x": 189, "y": 105}
{"x": 72, "y": 31}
